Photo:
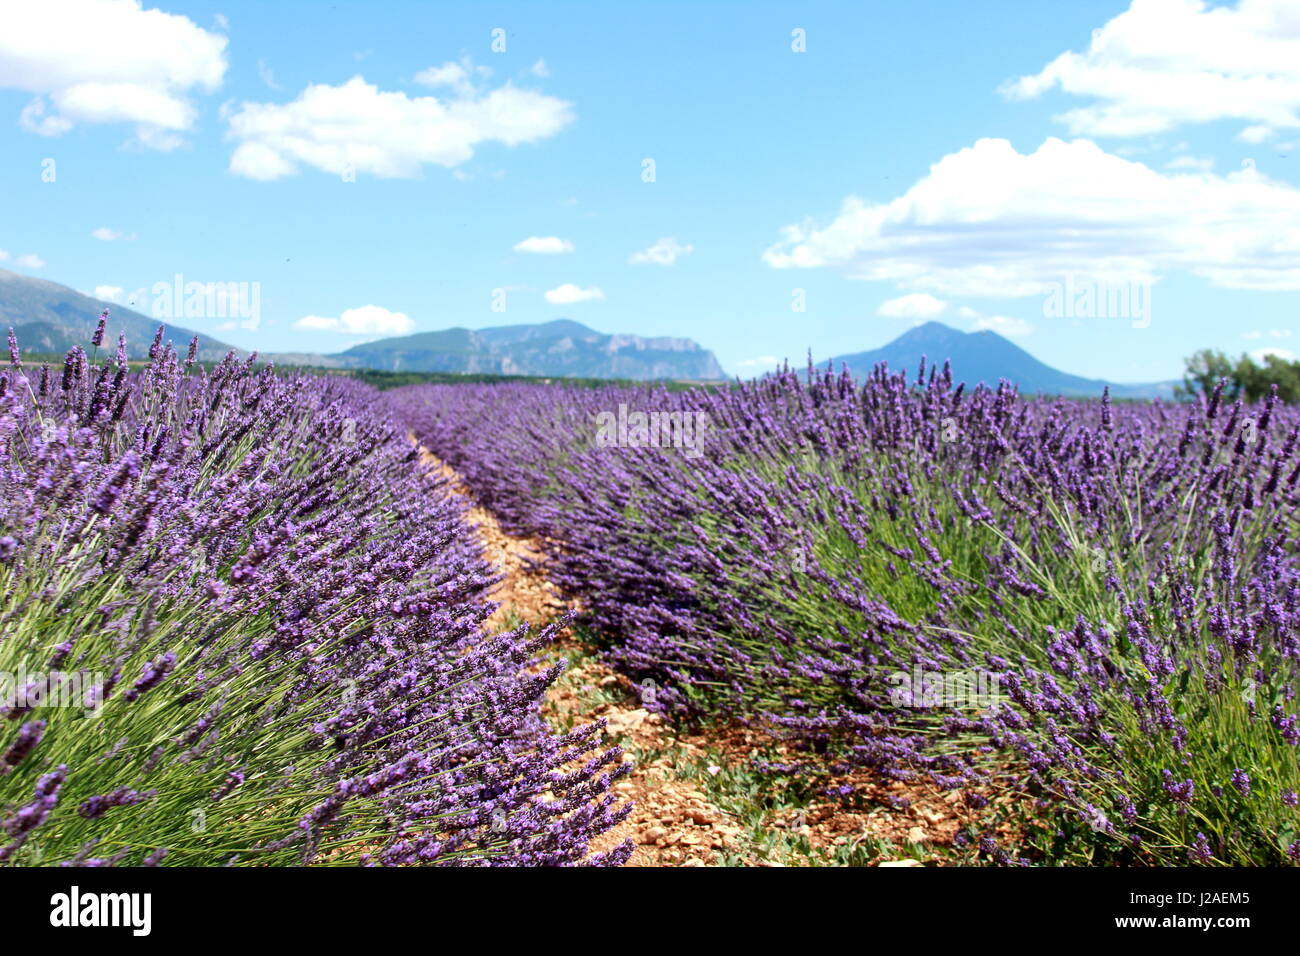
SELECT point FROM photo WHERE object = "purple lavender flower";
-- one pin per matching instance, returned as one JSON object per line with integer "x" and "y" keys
{"x": 97, "y": 806}
{"x": 233, "y": 779}
{"x": 1200, "y": 851}
{"x": 1241, "y": 780}
{"x": 29, "y": 735}
{"x": 154, "y": 673}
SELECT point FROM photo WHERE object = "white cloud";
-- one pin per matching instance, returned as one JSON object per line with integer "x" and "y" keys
{"x": 1199, "y": 164}
{"x": 569, "y": 293}
{"x": 763, "y": 361}
{"x": 988, "y": 221}
{"x": 3, "y": 255}
{"x": 458, "y": 76}
{"x": 1164, "y": 63}
{"x": 357, "y": 126}
{"x": 33, "y": 119}
{"x": 366, "y": 320}
{"x": 1256, "y": 134}
{"x": 109, "y": 235}
{"x": 540, "y": 69}
{"x": 917, "y": 305}
{"x": 114, "y": 293}
{"x": 1271, "y": 333}
{"x": 544, "y": 245}
{"x": 1002, "y": 325}
{"x": 250, "y": 324}
{"x": 30, "y": 261}
{"x": 1260, "y": 354}
{"x": 663, "y": 253}
{"x": 266, "y": 75}
{"x": 107, "y": 61}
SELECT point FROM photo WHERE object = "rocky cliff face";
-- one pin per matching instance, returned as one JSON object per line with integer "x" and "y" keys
{"x": 560, "y": 348}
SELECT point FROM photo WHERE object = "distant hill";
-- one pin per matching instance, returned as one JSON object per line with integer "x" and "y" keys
{"x": 52, "y": 318}
{"x": 987, "y": 357}
{"x": 561, "y": 348}
{"x": 48, "y": 317}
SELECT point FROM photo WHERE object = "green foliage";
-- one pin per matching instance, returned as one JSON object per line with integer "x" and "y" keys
{"x": 1244, "y": 378}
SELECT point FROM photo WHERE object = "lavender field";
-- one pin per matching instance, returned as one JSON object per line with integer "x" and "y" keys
{"x": 242, "y": 624}
{"x": 575, "y": 438}
{"x": 1081, "y": 616}
{"x": 246, "y": 618}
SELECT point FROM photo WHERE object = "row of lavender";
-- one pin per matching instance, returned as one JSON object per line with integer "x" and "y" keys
{"x": 1088, "y": 609}
{"x": 241, "y": 623}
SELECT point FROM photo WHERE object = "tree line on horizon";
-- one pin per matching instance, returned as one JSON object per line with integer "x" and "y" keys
{"x": 1245, "y": 378}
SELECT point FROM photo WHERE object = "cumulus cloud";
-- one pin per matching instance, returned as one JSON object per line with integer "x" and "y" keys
{"x": 1164, "y": 63}
{"x": 458, "y": 76}
{"x": 568, "y": 294}
{"x": 358, "y": 127}
{"x": 544, "y": 245}
{"x": 989, "y": 221}
{"x": 1256, "y": 134}
{"x": 30, "y": 261}
{"x": 109, "y": 235}
{"x": 917, "y": 305}
{"x": 1285, "y": 354}
{"x": 366, "y": 320}
{"x": 1198, "y": 164}
{"x": 663, "y": 253}
{"x": 763, "y": 361}
{"x": 110, "y": 293}
{"x": 108, "y": 61}
{"x": 1002, "y": 325}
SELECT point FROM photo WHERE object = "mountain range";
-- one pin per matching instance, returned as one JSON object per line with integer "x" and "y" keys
{"x": 987, "y": 357}
{"x": 51, "y": 318}
{"x": 561, "y": 348}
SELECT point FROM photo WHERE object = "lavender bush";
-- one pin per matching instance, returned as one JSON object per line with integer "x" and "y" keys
{"x": 1125, "y": 576}
{"x": 242, "y": 624}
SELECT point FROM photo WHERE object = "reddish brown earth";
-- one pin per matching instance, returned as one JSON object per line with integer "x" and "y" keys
{"x": 674, "y": 822}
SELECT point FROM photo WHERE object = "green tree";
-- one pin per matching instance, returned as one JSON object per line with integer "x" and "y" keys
{"x": 1245, "y": 378}
{"x": 1205, "y": 370}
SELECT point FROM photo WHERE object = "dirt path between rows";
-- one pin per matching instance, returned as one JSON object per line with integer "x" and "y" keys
{"x": 674, "y": 820}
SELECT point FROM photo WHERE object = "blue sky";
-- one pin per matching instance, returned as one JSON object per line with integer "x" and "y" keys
{"x": 373, "y": 167}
